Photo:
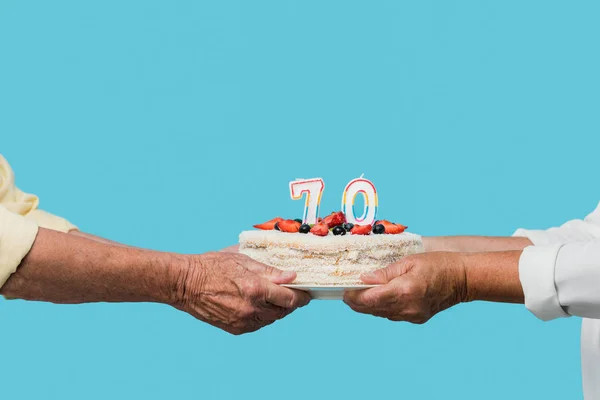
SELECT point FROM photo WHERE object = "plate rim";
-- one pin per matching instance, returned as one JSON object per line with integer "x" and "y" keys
{"x": 327, "y": 287}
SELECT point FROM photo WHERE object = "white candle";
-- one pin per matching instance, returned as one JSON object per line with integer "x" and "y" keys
{"x": 313, "y": 189}
{"x": 353, "y": 189}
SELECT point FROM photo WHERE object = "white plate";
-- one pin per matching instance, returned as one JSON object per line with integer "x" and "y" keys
{"x": 328, "y": 292}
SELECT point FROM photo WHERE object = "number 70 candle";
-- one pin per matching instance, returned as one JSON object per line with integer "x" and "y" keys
{"x": 314, "y": 190}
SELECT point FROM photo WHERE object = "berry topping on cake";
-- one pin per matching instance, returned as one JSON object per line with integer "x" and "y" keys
{"x": 335, "y": 222}
{"x": 289, "y": 226}
{"x": 269, "y": 225}
{"x": 339, "y": 230}
{"x": 360, "y": 229}
{"x": 378, "y": 229}
{"x": 320, "y": 229}
{"x": 392, "y": 228}
{"x": 335, "y": 219}
{"x": 304, "y": 228}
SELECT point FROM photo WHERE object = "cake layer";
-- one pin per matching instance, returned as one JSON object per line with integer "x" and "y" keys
{"x": 330, "y": 260}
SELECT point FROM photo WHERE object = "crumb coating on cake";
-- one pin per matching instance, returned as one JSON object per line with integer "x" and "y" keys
{"x": 330, "y": 260}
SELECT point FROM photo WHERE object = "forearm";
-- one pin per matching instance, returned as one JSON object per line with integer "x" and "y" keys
{"x": 96, "y": 238}
{"x": 64, "y": 268}
{"x": 493, "y": 276}
{"x": 474, "y": 243}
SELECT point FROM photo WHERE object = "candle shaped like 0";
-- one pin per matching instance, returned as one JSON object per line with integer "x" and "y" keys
{"x": 313, "y": 189}
{"x": 353, "y": 189}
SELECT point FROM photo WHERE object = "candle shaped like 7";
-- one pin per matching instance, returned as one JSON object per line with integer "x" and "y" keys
{"x": 313, "y": 189}
{"x": 353, "y": 189}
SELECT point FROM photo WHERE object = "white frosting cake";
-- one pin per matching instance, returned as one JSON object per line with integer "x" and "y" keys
{"x": 329, "y": 260}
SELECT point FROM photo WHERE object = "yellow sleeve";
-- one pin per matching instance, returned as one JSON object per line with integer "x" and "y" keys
{"x": 17, "y": 235}
{"x": 26, "y": 205}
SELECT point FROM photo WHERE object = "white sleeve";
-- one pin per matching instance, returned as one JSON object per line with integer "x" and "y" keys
{"x": 560, "y": 274}
{"x": 562, "y": 280}
{"x": 576, "y": 230}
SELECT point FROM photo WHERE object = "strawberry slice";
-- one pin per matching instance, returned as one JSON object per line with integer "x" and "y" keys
{"x": 320, "y": 229}
{"x": 392, "y": 228}
{"x": 289, "y": 226}
{"x": 361, "y": 229}
{"x": 335, "y": 219}
{"x": 269, "y": 225}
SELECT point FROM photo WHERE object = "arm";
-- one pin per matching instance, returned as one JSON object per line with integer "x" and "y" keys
{"x": 474, "y": 243}
{"x": 557, "y": 277}
{"x": 577, "y": 230}
{"x": 63, "y": 268}
{"x": 492, "y": 276}
{"x": 230, "y": 291}
{"x": 95, "y": 238}
{"x": 552, "y": 281}
{"x": 421, "y": 285}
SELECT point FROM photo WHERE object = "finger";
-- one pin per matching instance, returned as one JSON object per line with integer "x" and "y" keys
{"x": 350, "y": 300}
{"x": 273, "y": 274}
{"x": 350, "y": 296}
{"x": 383, "y": 275}
{"x": 270, "y": 313}
{"x": 367, "y": 298}
{"x": 231, "y": 249}
{"x": 285, "y": 297}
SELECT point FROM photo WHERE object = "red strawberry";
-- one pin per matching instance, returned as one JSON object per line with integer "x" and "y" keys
{"x": 392, "y": 228}
{"x": 289, "y": 226}
{"x": 320, "y": 230}
{"x": 335, "y": 219}
{"x": 361, "y": 229}
{"x": 269, "y": 225}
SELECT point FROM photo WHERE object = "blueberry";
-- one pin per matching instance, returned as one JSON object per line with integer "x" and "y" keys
{"x": 276, "y": 226}
{"x": 348, "y": 226}
{"x": 304, "y": 228}
{"x": 338, "y": 230}
{"x": 378, "y": 229}
{"x": 298, "y": 220}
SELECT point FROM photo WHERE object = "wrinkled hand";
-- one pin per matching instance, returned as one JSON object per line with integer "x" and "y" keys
{"x": 235, "y": 293}
{"x": 413, "y": 289}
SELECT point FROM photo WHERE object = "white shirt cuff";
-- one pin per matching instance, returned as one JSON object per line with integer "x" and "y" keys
{"x": 537, "y": 237}
{"x": 536, "y": 272}
{"x": 17, "y": 235}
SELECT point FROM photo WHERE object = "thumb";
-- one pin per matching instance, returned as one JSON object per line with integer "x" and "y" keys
{"x": 273, "y": 274}
{"x": 383, "y": 275}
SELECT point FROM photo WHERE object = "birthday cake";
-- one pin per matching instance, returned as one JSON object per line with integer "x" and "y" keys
{"x": 330, "y": 252}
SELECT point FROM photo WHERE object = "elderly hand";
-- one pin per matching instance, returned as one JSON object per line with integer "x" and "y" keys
{"x": 413, "y": 289}
{"x": 235, "y": 293}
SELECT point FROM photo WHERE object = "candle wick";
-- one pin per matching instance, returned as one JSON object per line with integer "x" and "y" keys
{"x": 361, "y": 175}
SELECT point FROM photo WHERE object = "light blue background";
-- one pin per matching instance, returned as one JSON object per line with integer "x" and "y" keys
{"x": 133, "y": 118}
